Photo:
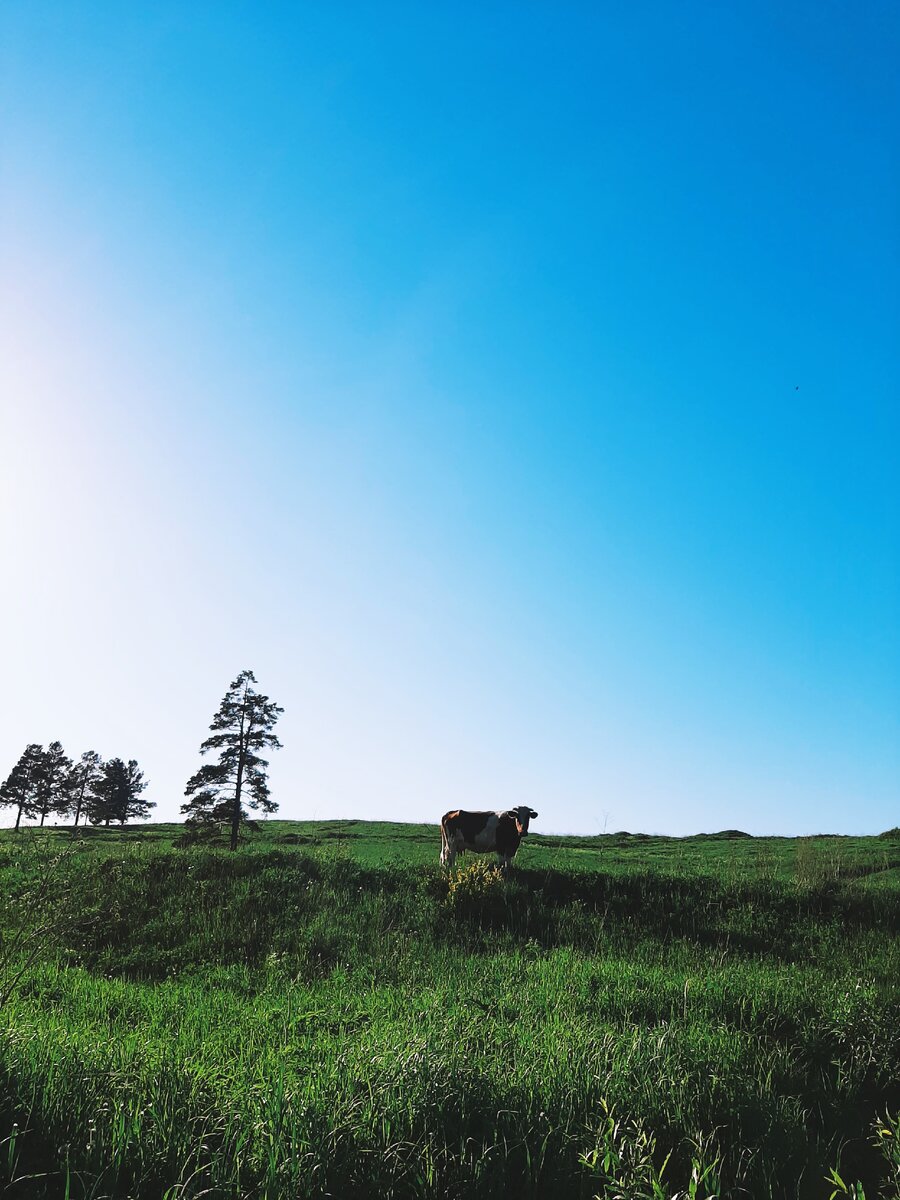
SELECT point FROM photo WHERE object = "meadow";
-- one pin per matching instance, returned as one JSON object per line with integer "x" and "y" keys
{"x": 323, "y": 1013}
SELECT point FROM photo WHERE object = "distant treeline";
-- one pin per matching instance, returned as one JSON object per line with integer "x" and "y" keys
{"x": 45, "y": 782}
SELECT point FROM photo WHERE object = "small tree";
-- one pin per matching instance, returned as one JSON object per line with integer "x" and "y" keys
{"x": 19, "y": 788}
{"x": 116, "y": 793}
{"x": 51, "y": 780}
{"x": 241, "y": 728}
{"x": 85, "y": 776}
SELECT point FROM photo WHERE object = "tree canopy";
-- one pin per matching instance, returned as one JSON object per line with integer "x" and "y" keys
{"x": 85, "y": 776}
{"x": 116, "y": 793}
{"x": 50, "y": 777}
{"x": 19, "y": 789}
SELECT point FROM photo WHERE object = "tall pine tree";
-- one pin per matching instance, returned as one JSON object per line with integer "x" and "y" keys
{"x": 19, "y": 789}
{"x": 240, "y": 730}
{"x": 115, "y": 795}
{"x": 85, "y": 776}
{"x": 51, "y": 779}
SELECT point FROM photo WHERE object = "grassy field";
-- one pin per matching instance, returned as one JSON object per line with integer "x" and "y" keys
{"x": 324, "y": 1014}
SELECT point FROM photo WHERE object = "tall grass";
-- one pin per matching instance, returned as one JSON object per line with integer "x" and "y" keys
{"x": 288, "y": 1022}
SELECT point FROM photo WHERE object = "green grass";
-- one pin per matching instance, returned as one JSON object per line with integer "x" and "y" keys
{"x": 320, "y": 1014}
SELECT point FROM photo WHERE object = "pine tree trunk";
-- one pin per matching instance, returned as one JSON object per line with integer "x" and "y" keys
{"x": 236, "y": 815}
{"x": 79, "y": 804}
{"x": 19, "y": 813}
{"x": 43, "y": 817}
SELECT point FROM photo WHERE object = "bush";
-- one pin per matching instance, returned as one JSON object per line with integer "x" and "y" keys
{"x": 476, "y": 889}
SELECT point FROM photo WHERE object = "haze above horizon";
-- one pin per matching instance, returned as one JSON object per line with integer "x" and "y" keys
{"x": 513, "y": 389}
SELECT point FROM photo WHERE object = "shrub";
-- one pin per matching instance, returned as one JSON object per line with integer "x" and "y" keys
{"x": 475, "y": 888}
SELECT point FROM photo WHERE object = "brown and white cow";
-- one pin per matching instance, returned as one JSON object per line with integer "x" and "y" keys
{"x": 484, "y": 832}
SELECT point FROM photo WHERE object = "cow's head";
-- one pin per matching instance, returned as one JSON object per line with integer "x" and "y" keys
{"x": 523, "y": 815}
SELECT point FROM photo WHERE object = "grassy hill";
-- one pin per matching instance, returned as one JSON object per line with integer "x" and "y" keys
{"x": 324, "y": 1013}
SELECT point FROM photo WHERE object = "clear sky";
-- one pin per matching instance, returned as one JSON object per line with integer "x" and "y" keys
{"x": 514, "y": 387}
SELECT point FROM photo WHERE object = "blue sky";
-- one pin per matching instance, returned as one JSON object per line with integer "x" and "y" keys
{"x": 514, "y": 388}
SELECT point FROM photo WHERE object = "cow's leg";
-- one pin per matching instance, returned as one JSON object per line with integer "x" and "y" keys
{"x": 448, "y": 854}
